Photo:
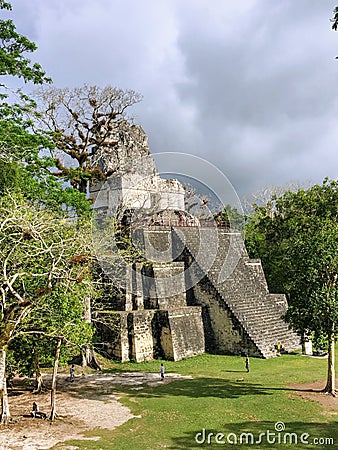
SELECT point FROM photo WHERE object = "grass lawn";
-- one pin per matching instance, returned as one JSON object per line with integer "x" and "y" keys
{"x": 222, "y": 398}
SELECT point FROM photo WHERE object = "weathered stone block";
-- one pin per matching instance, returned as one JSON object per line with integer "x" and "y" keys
{"x": 182, "y": 334}
{"x": 141, "y": 335}
{"x": 114, "y": 333}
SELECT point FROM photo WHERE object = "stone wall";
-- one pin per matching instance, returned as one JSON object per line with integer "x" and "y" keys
{"x": 182, "y": 333}
{"x": 240, "y": 315}
{"x": 157, "y": 324}
{"x": 156, "y": 243}
{"x": 140, "y": 327}
{"x": 142, "y": 335}
{"x": 113, "y": 329}
{"x": 138, "y": 192}
{"x": 223, "y": 332}
{"x": 169, "y": 285}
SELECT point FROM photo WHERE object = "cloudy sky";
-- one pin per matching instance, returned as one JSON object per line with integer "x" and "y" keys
{"x": 249, "y": 85}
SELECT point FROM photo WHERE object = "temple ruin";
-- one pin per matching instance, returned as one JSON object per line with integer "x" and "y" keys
{"x": 198, "y": 291}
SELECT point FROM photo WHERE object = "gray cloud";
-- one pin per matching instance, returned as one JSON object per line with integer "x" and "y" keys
{"x": 264, "y": 93}
{"x": 249, "y": 86}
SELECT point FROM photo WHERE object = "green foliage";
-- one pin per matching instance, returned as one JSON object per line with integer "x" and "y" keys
{"x": 62, "y": 315}
{"x": 44, "y": 190}
{"x": 18, "y": 142}
{"x": 54, "y": 195}
{"x": 13, "y": 47}
{"x": 296, "y": 236}
{"x": 24, "y": 153}
{"x": 42, "y": 290}
{"x": 22, "y": 350}
{"x": 9, "y": 176}
{"x": 45, "y": 271}
{"x": 13, "y": 62}
{"x": 24, "y": 156}
{"x": 231, "y": 218}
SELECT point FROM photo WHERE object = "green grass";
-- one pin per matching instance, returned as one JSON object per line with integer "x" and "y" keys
{"x": 221, "y": 398}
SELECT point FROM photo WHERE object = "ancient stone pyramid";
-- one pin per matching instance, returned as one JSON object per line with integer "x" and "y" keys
{"x": 198, "y": 290}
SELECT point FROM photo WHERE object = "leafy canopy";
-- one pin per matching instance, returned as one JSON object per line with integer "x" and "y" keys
{"x": 44, "y": 269}
{"x": 296, "y": 236}
{"x": 13, "y": 47}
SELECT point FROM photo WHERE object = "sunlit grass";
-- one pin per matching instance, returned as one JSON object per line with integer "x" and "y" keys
{"x": 221, "y": 397}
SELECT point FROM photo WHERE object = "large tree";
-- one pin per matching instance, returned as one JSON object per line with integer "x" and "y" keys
{"x": 85, "y": 123}
{"x": 43, "y": 260}
{"x": 296, "y": 236}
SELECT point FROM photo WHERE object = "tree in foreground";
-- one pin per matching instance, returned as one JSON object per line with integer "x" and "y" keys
{"x": 43, "y": 265}
{"x": 296, "y": 236}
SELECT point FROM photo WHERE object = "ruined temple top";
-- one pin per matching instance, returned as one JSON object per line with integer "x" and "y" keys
{"x": 125, "y": 150}
{"x": 133, "y": 181}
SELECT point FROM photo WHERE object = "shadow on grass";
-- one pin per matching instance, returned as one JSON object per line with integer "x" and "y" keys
{"x": 205, "y": 387}
{"x": 193, "y": 388}
{"x": 235, "y": 371}
{"x": 257, "y": 435}
{"x": 200, "y": 387}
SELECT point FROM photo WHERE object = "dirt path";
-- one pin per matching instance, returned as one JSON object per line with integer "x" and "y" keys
{"x": 313, "y": 391}
{"x": 86, "y": 404}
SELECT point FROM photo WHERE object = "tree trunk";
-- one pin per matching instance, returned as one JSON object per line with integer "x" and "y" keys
{"x": 84, "y": 358}
{"x": 331, "y": 375}
{"x": 88, "y": 355}
{"x": 38, "y": 375}
{"x": 87, "y": 310}
{"x": 55, "y": 371}
{"x": 89, "y": 359}
{"x": 5, "y": 414}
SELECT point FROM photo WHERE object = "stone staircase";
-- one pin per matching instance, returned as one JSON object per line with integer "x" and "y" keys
{"x": 240, "y": 283}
